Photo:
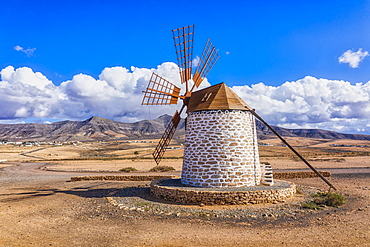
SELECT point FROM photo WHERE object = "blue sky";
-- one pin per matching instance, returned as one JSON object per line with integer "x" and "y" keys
{"x": 268, "y": 42}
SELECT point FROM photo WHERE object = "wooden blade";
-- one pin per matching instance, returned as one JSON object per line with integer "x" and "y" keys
{"x": 183, "y": 39}
{"x": 160, "y": 92}
{"x": 166, "y": 138}
{"x": 208, "y": 59}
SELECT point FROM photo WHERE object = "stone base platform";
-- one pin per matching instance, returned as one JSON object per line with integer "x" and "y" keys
{"x": 173, "y": 190}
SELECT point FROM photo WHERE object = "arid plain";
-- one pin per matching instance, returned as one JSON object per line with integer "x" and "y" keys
{"x": 39, "y": 206}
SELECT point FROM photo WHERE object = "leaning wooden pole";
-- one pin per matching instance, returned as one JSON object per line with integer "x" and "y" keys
{"x": 294, "y": 151}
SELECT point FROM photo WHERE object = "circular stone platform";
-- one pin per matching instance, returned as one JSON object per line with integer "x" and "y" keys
{"x": 174, "y": 190}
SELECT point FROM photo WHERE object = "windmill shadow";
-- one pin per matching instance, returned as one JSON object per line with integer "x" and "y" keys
{"x": 143, "y": 193}
{"x": 84, "y": 192}
{"x": 87, "y": 192}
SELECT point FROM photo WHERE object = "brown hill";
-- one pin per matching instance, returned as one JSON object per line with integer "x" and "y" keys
{"x": 97, "y": 128}
{"x": 94, "y": 128}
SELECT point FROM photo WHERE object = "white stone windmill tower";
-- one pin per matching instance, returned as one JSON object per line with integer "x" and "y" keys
{"x": 221, "y": 148}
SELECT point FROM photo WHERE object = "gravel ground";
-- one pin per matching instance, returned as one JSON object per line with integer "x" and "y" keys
{"x": 139, "y": 199}
{"x": 40, "y": 208}
{"x": 177, "y": 183}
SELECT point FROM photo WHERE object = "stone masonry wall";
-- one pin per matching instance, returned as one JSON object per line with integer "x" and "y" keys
{"x": 192, "y": 196}
{"x": 122, "y": 177}
{"x": 221, "y": 150}
{"x": 277, "y": 175}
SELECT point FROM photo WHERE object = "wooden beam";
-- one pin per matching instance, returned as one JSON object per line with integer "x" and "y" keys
{"x": 294, "y": 151}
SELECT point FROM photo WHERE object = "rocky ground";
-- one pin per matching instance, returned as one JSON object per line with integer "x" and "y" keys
{"x": 43, "y": 208}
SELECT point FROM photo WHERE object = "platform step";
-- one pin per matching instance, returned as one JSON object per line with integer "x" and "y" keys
{"x": 267, "y": 175}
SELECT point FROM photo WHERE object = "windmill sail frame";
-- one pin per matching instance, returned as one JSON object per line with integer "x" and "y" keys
{"x": 166, "y": 138}
{"x": 207, "y": 60}
{"x": 184, "y": 39}
{"x": 160, "y": 92}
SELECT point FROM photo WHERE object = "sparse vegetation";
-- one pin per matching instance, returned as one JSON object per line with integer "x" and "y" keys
{"x": 162, "y": 169}
{"x": 128, "y": 169}
{"x": 329, "y": 199}
{"x": 136, "y": 152}
{"x": 142, "y": 204}
{"x": 330, "y": 159}
{"x": 202, "y": 214}
{"x": 299, "y": 190}
{"x": 322, "y": 199}
{"x": 311, "y": 205}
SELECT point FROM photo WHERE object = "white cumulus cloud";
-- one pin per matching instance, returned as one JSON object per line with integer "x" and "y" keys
{"x": 29, "y": 51}
{"x": 312, "y": 103}
{"x": 117, "y": 94}
{"x": 196, "y": 61}
{"x": 353, "y": 58}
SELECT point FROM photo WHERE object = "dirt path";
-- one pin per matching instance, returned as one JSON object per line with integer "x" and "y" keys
{"x": 40, "y": 208}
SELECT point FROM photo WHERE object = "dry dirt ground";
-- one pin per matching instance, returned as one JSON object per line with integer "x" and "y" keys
{"x": 43, "y": 208}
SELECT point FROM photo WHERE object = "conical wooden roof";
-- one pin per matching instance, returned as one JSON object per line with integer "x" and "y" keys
{"x": 217, "y": 97}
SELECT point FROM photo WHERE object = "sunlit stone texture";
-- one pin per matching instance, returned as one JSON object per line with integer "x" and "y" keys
{"x": 221, "y": 149}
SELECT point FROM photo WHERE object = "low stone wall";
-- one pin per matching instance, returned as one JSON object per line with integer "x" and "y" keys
{"x": 277, "y": 175}
{"x": 191, "y": 195}
{"x": 289, "y": 175}
{"x": 122, "y": 177}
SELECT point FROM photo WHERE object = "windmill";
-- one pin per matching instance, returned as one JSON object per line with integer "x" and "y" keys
{"x": 162, "y": 92}
{"x": 221, "y": 148}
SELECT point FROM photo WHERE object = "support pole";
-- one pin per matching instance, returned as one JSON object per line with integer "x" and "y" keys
{"x": 294, "y": 151}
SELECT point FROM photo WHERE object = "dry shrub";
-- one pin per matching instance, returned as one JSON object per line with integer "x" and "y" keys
{"x": 128, "y": 169}
{"x": 162, "y": 169}
{"x": 329, "y": 199}
{"x": 322, "y": 199}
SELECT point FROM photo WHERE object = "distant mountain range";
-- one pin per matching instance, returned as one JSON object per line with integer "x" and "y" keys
{"x": 97, "y": 128}
{"x": 263, "y": 133}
